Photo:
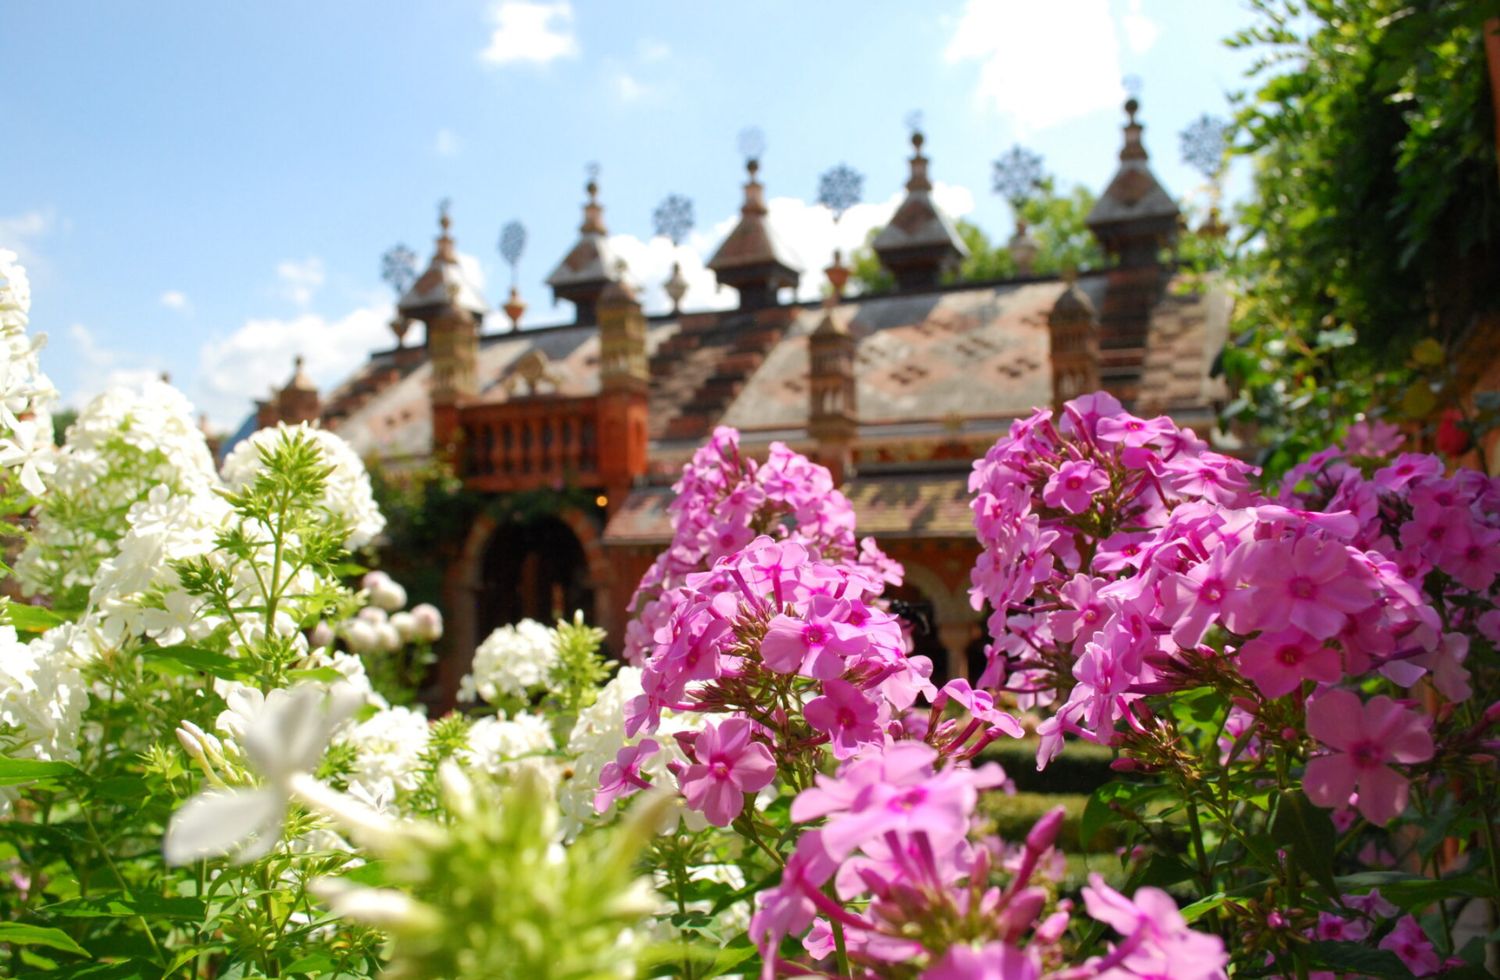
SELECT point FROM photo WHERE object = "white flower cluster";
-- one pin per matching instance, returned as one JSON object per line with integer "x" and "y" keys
{"x": 511, "y": 663}
{"x": 503, "y": 746}
{"x": 25, "y": 393}
{"x": 384, "y": 626}
{"x": 347, "y": 493}
{"x": 124, "y": 444}
{"x": 42, "y": 696}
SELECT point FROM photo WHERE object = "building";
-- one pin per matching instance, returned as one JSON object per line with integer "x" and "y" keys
{"x": 896, "y": 393}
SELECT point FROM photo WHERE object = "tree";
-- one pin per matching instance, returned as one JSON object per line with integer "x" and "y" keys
{"x": 1375, "y": 221}
{"x": 1056, "y": 223}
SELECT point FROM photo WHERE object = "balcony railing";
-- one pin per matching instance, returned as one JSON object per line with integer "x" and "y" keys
{"x": 529, "y": 444}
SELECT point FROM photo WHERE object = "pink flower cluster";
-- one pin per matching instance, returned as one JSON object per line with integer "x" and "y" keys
{"x": 894, "y": 840}
{"x": 724, "y": 500}
{"x": 1172, "y": 569}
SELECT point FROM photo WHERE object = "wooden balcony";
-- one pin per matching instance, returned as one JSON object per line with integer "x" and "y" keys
{"x": 529, "y": 444}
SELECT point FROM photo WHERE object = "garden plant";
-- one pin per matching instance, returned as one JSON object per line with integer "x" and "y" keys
{"x": 214, "y": 763}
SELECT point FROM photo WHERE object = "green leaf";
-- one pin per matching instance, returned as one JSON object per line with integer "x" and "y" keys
{"x": 1359, "y": 958}
{"x": 1307, "y": 831}
{"x": 21, "y": 934}
{"x": 1109, "y": 802}
{"x": 198, "y": 660}
{"x": 1203, "y": 906}
{"x": 124, "y": 904}
{"x": 1413, "y": 892}
{"x": 31, "y": 619}
{"x": 16, "y": 771}
{"x": 319, "y": 675}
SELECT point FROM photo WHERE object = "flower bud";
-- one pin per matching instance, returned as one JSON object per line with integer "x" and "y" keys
{"x": 1044, "y": 833}
{"x": 429, "y": 622}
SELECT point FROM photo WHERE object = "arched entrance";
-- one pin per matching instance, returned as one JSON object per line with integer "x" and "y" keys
{"x": 535, "y": 569}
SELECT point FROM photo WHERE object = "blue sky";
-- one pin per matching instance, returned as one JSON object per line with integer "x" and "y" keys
{"x": 207, "y": 189}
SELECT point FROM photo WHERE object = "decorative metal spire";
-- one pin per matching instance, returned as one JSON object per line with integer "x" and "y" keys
{"x": 1018, "y": 175}
{"x": 839, "y": 189}
{"x": 398, "y": 267}
{"x": 673, "y": 218}
{"x": 1204, "y": 143}
{"x": 512, "y": 246}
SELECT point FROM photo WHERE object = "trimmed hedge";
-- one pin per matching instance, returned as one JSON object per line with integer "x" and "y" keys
{"x": 1081, "y": 767}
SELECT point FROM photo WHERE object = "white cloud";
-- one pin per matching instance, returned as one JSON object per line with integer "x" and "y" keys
{"x": 1043, "y": 63}
{"x": 300, "y": 280}
{"x": 627, "y": 87}
{"x": 173, "y": 299}
{"x": 651, "y": 49}
{"x": 235, "y": 370}
{"x": 256, "y": 357}
{"x": 105, "y": 367}
{"x": 19, "y": 233}
{"x": 1140, "y": 31}
{"x": 447, "y": 143}
{"x": 806, "y": 230}
{"x": 535, "y": 33}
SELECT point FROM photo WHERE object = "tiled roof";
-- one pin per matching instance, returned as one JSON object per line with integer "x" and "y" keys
{"x": 975, "y": 352}
{"x": 979, "y": 354}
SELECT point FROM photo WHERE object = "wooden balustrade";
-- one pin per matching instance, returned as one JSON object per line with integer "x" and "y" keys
{"x": 511, "y": 446}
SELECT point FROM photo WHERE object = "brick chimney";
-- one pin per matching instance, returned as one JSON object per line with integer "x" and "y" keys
{"x": 624, "y": 384}
{"x": 1074, "y": 329}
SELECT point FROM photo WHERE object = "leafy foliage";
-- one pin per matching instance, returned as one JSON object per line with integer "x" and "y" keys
{"x": 1375, "y": 222}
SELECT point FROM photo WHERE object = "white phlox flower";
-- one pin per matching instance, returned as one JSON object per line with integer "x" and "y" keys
{"x": 284, "y": 740}
{"x": 510, "y": 663}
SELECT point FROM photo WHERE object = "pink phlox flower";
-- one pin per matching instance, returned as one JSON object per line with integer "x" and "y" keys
{"x": 812, "y": 645}
{"x": 992, "y": 961}
{"x": 1125, "y": 549}
{"x": 1207, "y": 593}
{"x": 901, "y": 763}
{"x": 1085, "y": 612}
{"x": 1087, "y": 410}
{"x": 1278, "y": 662}
{"x": 1432, "y": 530}
{"x": 1366, "y": 738}
{"x": 789, "y": 908}
{"x": 1412, "y": 947}
{"x": 878, "y": 562}
{"x": 1407, "y": 468}
{"x": 1488, "y": 625}
{"x": 1373, "y": 438}
{"x": 1472, "y": 556}
{"x": 729, "y": 765}
{"x": 1304, "y": 582}
{"x": 1341, "y": 525}
{"x": 622, "y": 777}
{"x": 1446, "y": 664}
{"x": 1157, "y": 941}
{"x": 1333, "y": 928}
{"x": 1124, "y": 429}
{"x": 1372, "y": 904}
{"x": 980, "y": 705}
{"x": 1209, "y": 476}
{"x": 911, "y": 679}
{"x": 1075, "y": 486}
{"x": 846, "y": 715}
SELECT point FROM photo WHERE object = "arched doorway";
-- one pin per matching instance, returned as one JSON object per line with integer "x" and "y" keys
{"x": 536, "y": 569}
